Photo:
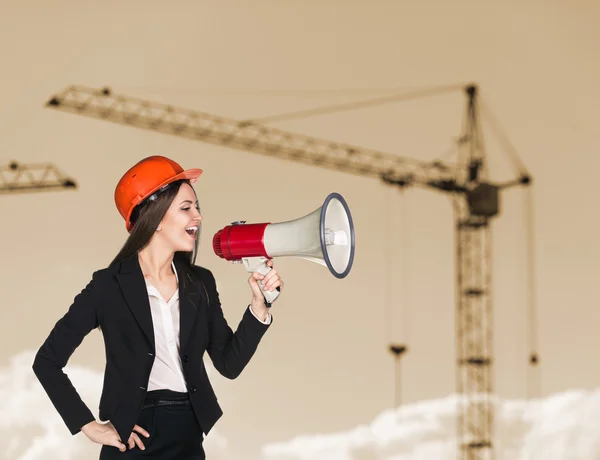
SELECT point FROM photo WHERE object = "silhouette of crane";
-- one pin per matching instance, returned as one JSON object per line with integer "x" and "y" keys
{"x": 475, "y": 202}
{"x": 19, "y": 178}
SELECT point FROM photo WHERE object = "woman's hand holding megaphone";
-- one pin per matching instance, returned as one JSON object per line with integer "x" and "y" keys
{"x": 269, "y": 283}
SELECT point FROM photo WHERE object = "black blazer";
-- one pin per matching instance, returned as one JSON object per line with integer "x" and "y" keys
{"x": 116, "y": 299}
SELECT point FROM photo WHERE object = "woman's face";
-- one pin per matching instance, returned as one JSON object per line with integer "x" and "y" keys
{"x": 180, "y": 223}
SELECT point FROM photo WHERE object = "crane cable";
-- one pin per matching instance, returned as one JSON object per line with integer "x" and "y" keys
{"x": 388, "y": 251}
{"x": 532, "y": 380}
{"x": 396, "y": 340}
{"x": 404, "y": 268}
{"x": 392, "y": 253}
{"x": 356, "y": 105}
{"x": 516, "y": 163}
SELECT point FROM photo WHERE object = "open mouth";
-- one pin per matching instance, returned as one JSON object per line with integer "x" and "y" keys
{"x": 192, "y": 231}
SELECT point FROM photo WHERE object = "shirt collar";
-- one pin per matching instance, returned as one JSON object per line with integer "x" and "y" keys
{"x": 154, "y": 292}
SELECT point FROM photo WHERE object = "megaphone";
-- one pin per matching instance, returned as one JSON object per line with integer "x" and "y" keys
{"x": 325, "y": 236}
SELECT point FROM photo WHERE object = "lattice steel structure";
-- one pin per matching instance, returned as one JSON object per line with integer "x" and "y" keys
{"x": 18, "y": 178}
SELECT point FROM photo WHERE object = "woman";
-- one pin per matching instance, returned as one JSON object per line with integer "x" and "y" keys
{"x": 158, "y": 313}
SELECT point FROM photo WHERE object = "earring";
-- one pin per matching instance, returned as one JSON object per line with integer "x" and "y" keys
{"x": 158, "y": 229}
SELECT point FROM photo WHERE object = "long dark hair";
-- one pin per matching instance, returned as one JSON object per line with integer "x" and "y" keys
{"x": 148, "y": 217}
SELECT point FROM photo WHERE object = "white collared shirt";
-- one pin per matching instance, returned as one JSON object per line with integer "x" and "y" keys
{"x": 166, "y": 371}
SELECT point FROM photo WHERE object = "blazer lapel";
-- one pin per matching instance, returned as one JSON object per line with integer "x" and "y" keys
{"x": 132, "y": 283}
{"x": 189, "y": 303}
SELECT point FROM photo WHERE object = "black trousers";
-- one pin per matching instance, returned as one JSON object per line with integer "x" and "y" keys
{"x": 174, "y": 431}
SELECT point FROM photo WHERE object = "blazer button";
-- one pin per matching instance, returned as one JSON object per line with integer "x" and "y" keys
{"x": 185, "y": 358}
{"x": 192, "y": 389}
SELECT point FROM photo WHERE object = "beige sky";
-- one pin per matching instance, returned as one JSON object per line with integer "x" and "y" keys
{"x": 323, "y": 366}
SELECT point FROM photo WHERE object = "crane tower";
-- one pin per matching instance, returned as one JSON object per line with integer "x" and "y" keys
{"x": 475, "y": 202}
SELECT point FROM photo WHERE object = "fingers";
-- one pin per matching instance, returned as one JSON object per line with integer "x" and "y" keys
{"x": 140, "y": 430}
{"x": 273, "y": 284}
{"x": 134, "y": 440}
{"x": 118, "y": 444}
{"x": 268, "y": 281}
{"x": 272, "y": 280}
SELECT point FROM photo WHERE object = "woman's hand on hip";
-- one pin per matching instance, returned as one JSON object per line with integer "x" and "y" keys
{"x": 107, "y": 435}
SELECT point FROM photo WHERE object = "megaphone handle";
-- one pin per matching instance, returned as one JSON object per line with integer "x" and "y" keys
{"x": 259, "y": 264}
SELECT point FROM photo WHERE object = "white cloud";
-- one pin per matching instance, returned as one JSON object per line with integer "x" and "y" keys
{"x": 561, "y": 427}
{"x": 30, "y": 427}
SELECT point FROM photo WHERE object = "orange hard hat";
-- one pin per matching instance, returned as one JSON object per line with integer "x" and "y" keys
{"x": 145, "y": 178}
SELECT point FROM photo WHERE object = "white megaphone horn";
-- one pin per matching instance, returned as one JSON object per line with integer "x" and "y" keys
{"x": 325, "y": 236}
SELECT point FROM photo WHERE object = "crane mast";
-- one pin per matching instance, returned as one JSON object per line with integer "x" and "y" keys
{"x": 473, "y": 209}
{"x": 475, "y": 201}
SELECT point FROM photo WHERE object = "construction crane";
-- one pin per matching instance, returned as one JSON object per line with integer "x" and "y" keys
{"x": 18, "y": 178}
{"x": 475, "y": 201}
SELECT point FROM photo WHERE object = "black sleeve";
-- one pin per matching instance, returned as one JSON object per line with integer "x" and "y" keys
{"x": 56, "y": 350}
{"x": 230, "y": 352}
